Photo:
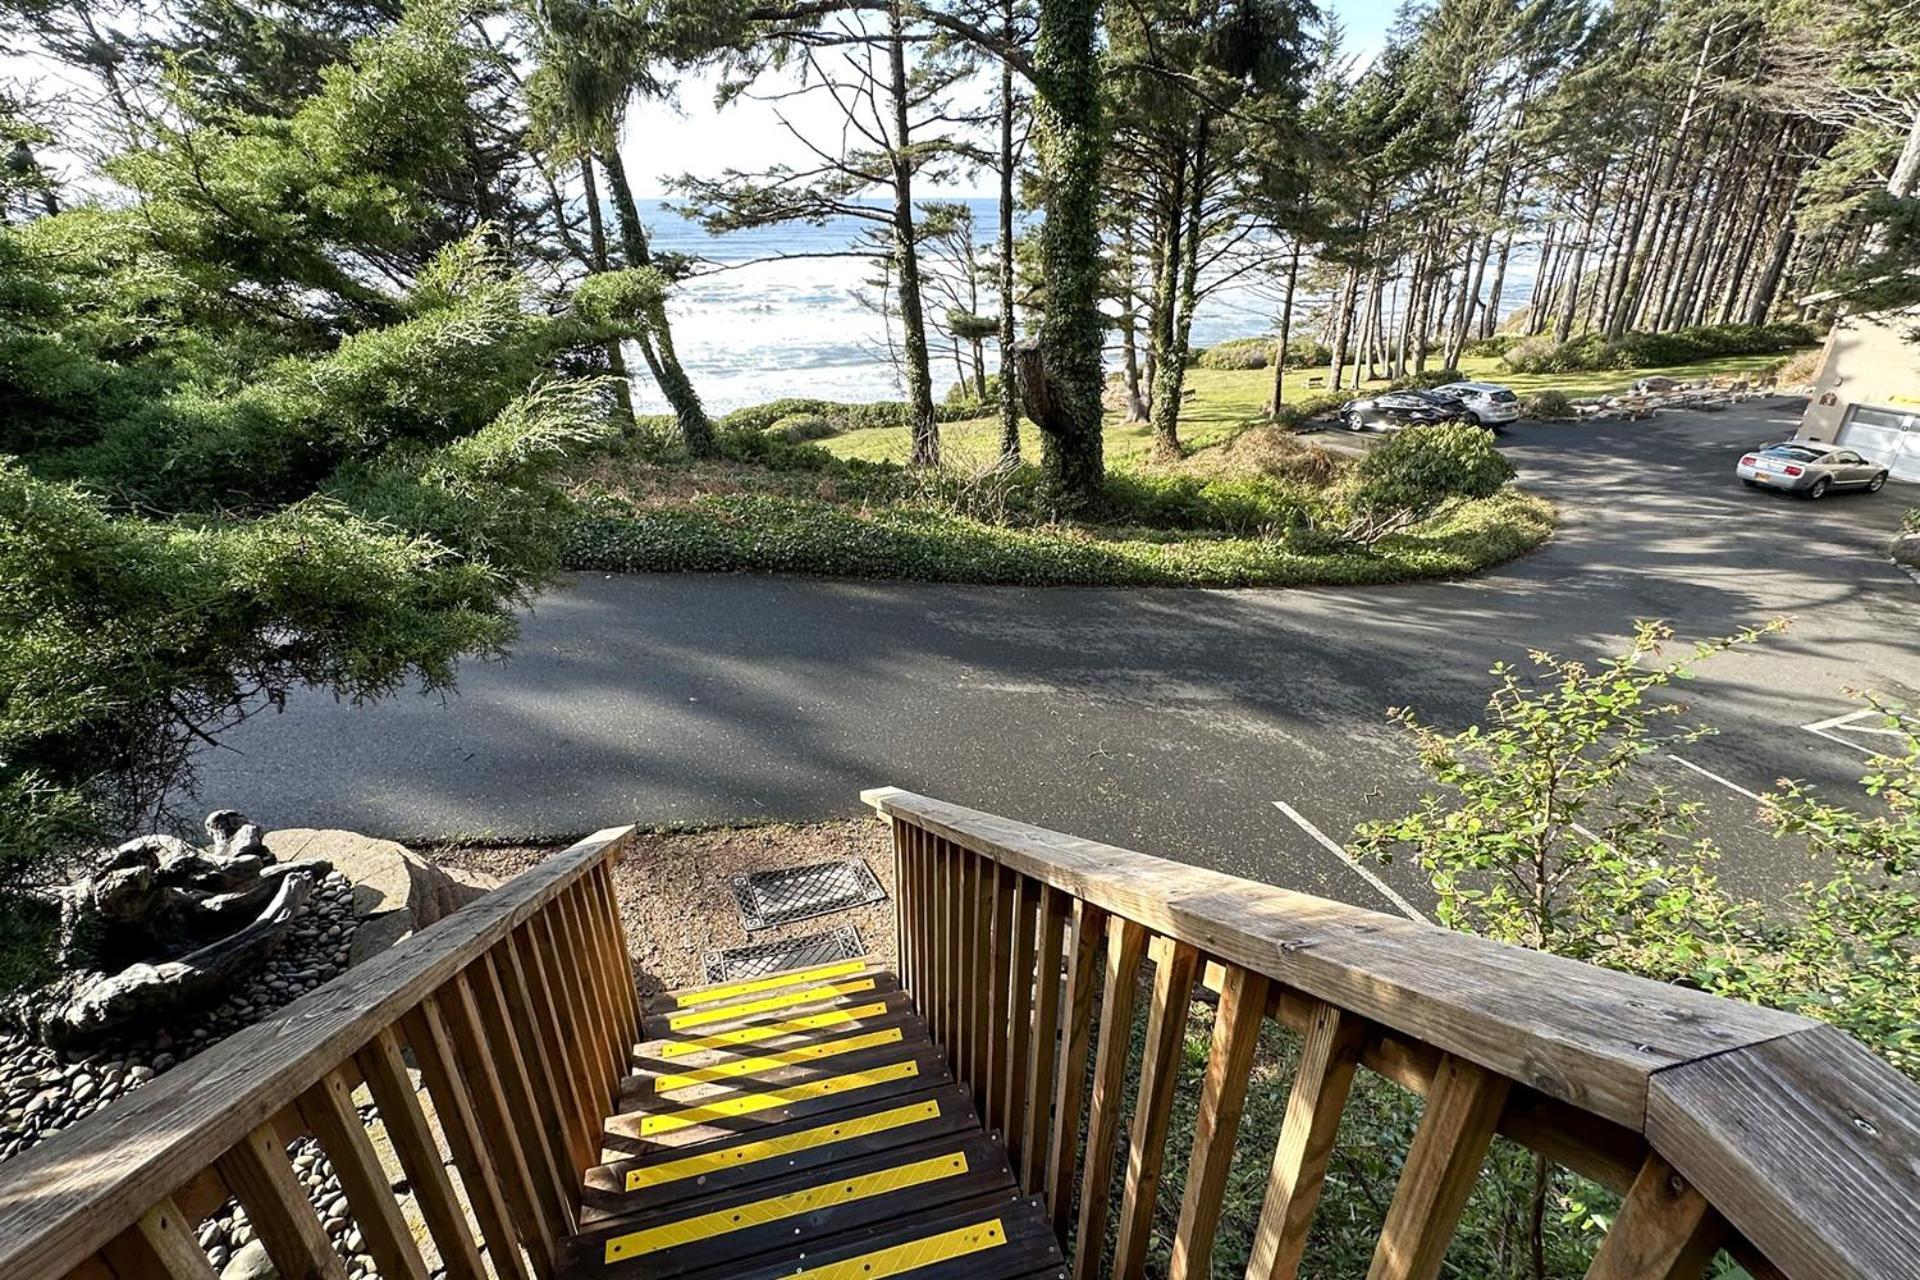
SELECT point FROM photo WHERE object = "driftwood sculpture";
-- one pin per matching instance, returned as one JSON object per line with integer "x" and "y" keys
{"x": 161, "y": 925}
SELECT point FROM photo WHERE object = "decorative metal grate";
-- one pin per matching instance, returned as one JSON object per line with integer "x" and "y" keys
{"x": 768, "y": 898}
{"x": 758, "y": 959}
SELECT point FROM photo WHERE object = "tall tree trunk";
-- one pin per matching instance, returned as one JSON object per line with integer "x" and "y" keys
{"x": 1168, "y": 378}
{"x": 922, "y": 425}
{"x": 1563, "y": 325}
{"x": 1342, "y": 322}
{"x": 1490, "y": 320}
{"x": 656, "y": 345}
{"x": 597, "y": 247}
{"x": 1173, "y": 361}
{"x": 1060, "y": 374}
{"x": 1278, "y": 397}
{"x": 1537, "y": 302}
{"x": 1763, "y": 292}
{"x": 1009, "y": 376}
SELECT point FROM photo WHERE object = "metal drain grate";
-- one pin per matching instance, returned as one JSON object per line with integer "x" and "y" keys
{"x": 768, "y": 898}
{"x": 758, "y": 959}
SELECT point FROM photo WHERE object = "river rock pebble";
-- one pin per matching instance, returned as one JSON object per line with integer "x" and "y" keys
{"x": 42, "y": 1091}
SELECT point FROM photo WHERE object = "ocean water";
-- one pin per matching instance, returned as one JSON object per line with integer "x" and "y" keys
{"x": 791, "y": 311}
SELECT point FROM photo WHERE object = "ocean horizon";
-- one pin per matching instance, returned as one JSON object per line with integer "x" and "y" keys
{"x": 792, "y": 310}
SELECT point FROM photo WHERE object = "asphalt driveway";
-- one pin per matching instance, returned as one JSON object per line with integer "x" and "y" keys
{"x": 1168, "y": 720}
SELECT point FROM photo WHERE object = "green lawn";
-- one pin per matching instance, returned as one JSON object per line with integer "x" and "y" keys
{"x": 1225, "y": 400}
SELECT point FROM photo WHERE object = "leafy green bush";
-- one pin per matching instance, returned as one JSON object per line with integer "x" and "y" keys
{"x": 1238, "y": 353}
{"x": 1589, "y": 352}
{"x": 1425, "y": 379}
{"x": 844, "y": 416}
{"x": 960, "y": 395}
{"x": 1418, "y": 470}
{"x": 1547, "y": 406}
{"x": 761, "y": 533}
{"x": 799, "y": 428}
{"x": 1492, "y": 348}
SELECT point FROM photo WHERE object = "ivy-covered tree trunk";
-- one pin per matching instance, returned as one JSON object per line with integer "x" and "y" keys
{"x": 1009, "y": 379}
{"x": 1169, "y": 368}
{"x": 597, "y": 246}
{"x": 657, "y": 344}
{"x": 1060, "y": 372}
{"x": 1183, "y": 273}
{"x": 920, "y": 420}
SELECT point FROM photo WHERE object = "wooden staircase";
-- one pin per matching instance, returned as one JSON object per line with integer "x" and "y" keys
{"x": 802, "y": 1124}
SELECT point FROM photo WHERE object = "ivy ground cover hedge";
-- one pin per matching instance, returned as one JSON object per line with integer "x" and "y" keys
{"x": 773, "y": 534}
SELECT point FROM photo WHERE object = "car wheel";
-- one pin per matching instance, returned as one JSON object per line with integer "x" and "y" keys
{"x": 1820, "y": 488}
{"x": 1354, "y": 422}
{"x": 1878, "y": 483}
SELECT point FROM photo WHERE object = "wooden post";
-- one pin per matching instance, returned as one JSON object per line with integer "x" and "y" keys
{"x": 433, "y": 1049}
{"x": 1045, "y": 1050}
{"x": 1020, "y": 969}
{"x": 1223, "y": 1095}
{"x": 1126, "y": 943}
{"x": 263, "y": 1178}
{"x": 329, "y": 1111}
{"x": 999, "y": 1038}
{"x": 1463, "y": 1106}
{"x": 392, "y": 1088}
{"x": 1329, "y": 1052}
{"x": 1666, "y": 1230}
{"x": 1083, "y": 975}
{"x": 1173, "y": 974}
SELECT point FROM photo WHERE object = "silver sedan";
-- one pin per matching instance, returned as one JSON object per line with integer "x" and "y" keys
{"x": 1809, "y": 468}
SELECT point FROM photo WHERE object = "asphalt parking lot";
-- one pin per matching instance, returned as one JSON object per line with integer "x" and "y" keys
{"x": 1173, "y": 721}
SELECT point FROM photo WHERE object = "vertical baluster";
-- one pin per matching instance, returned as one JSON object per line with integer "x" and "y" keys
{"x": 1173, "y": 972}
{"x": 967, "y": 966}
{"x": 625, "y": 1005}
{"x": 406, "y": 1123}
{"x": 580, "y": 955}
{"x": 426, "y": 1030}
{"x": 1329, "y": 1052}
{"x": 263, "y": 1178}
{"x": 329, "y": 1111}
{"x": 923, "y": 964}
{"x": 989, "y": 998}
{"x": 564, "y": 981}
{"x": 942, "y": 868}
{"x": 1083, "y": 976}
{"x": 1463, "y": 1105}
{"x": 902, "y": 906}
{"x": 536, "y": 1127}
{"x": 1013, "y": 1104}
{"x": 1126, "y": 943}
{"x": 1665, "y": 1230}
{"x": 1223, "y": 1095}
{"x": 999, "y": 996}
{"x": 160, "y": 1246}
{"x": 533, "y": 1005}
{"x": 1046, "y": 1034}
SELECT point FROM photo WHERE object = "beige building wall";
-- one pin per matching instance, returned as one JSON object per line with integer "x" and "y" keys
{"x": 1870, "y": 360}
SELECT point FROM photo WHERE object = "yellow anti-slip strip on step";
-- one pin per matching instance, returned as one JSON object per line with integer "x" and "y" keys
{"x": 766, "y": 1004}
{"x": 792, "y": 978}
{"x": 745, "y": 1104}
{"x": 746, "y": 1153}
{"x": 758, "y": 1213}
{"x": 773, "y": 1061}
{"x": 899, "y": 1259}
{"x": 740, "y": 1037}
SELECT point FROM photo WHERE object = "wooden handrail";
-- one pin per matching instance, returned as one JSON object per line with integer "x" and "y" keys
{"x": 1797, "y": 1138}
{"x": 113, "y": 1177}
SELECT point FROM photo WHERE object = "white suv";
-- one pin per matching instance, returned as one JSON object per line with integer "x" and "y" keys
{"x": 1493, "y": 405}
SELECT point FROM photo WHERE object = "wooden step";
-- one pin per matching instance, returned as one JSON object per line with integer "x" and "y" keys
{"x": 802, "y": 1026}
{"x": 744, "y": 988}
{"x": 672, "y": 1176}
{"x": 831, "y": 1051}
{"x": 793, "y": 1213}
{"x": 776, "y": 1005}
{"x": 995, "y": 1238}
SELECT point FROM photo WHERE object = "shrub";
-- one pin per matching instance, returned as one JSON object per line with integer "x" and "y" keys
{"x": 1547, "y": 406}
{"x": 1494, "y": 347}
{"x": 1425, "y": 379}
{"x": 1414, "y": 473}
{"x": 1314, "y": 404}
{"x": 1239, "y": 353}
{"x": 799, "y": 428}
{"x": 1589, "y": 352}
{"x": 961, "y": 393}
{"x": 1799, "y": 370}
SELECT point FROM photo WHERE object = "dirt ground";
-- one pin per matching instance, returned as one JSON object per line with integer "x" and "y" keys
{"x": 677, "y": 904}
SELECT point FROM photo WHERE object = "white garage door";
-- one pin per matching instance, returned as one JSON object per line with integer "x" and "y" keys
{"x": 1885, "y": 435}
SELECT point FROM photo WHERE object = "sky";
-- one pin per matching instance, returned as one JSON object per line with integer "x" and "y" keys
{"x": 666, "y": 139}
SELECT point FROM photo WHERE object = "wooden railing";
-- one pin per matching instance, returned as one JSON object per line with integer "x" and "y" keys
{"x": 1721, "y": 1124}
{"x": 518, "y": 1011}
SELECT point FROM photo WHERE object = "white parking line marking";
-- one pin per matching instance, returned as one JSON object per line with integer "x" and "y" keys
{"x": 1714, "y": 777}
{"x": 1850, "y": 723}
{"x": 1366, "y": 873}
